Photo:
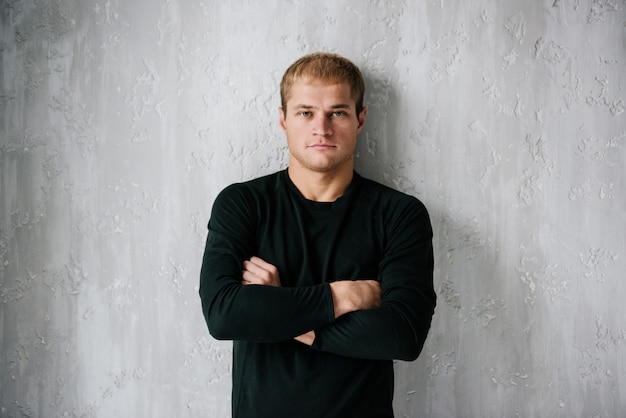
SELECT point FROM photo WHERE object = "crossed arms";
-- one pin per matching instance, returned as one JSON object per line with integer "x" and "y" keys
{"x": 386, "y": 318}
{"x": 348, "y": 295}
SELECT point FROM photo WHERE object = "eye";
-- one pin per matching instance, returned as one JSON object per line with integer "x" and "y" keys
{"x": 304, "y": 113}
{"x": 339, "y": 113}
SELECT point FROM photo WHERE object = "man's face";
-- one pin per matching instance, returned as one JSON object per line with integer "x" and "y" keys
{"x": 321, "y": 125}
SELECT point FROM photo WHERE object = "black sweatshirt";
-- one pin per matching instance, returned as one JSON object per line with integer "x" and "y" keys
{"x": 371, "y": 232}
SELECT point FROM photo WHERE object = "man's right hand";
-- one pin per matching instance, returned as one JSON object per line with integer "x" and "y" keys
{"x": 355, "y": 295}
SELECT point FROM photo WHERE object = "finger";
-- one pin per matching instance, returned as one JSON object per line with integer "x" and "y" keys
{"x": 248, "y": 282}
{"x": 260, "y": 268}
{"x": 259, "y": 271}
{"x": 252, "y": 268}
{"x": 257, "y": 261}
{"x": 250, "y": 278}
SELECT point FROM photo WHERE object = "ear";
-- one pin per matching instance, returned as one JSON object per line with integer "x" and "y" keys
{"x": 281, "y": 119}
{"x": 361, "y": 118}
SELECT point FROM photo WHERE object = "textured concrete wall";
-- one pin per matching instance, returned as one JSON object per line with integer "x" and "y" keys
{"x": 121, "y": 120}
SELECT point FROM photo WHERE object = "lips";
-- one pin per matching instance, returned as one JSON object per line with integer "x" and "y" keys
{"x": 321, "y": 146}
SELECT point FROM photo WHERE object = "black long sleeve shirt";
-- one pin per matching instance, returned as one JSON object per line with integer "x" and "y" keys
{"x": 371, "y": 232}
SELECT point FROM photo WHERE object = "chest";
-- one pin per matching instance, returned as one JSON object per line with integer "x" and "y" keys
{"x": 318, "y": 245}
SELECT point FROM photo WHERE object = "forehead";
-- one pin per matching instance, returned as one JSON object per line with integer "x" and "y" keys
{"x": 305, "y": 89}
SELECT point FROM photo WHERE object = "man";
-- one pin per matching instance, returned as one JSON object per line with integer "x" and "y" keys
{"x": 320, "y": 277}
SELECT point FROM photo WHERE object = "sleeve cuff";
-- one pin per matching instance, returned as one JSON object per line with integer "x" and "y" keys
{"x": 330, "y": 305}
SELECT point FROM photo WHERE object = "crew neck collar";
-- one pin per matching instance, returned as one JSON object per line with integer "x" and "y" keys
{"x": 349, "y": 190}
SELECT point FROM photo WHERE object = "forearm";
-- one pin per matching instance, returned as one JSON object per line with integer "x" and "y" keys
{"x": 396, "y": 330}
{"x": 266, "y": 313}
{"x": 372, "y": 334}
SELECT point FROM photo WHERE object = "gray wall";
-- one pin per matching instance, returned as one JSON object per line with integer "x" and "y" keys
{"x": 122, "y": 120}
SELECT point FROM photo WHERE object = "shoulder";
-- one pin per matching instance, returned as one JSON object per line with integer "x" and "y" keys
{"x": 387, "y": 196}
{"x": 259, "y": 186}
{"x": 400, "y": 212}
{"x": 249, "y": 193}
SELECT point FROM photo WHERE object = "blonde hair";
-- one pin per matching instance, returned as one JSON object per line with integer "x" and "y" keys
{"x": 328, "y": 67}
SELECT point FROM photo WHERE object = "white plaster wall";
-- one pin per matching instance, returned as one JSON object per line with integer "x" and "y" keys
{"x": 121, "y": 120}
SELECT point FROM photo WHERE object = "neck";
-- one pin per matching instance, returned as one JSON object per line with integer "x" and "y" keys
{"x": 321, "y": 186}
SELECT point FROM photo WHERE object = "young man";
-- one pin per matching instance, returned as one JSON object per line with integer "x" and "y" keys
{"x": 320, "y": 277}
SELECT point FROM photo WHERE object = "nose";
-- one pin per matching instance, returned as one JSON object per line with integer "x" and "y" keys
{"x": 322, "y": 126}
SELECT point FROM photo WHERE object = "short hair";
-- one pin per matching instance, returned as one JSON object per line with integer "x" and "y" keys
{"x": 324, "y": 66}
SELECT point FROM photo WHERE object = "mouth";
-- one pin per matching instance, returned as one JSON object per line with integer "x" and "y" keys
{"x": 322, "y": 146}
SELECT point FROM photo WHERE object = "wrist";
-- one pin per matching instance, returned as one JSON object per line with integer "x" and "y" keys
{"x": 354, "y": 295}
{"x": 342, "y": 300}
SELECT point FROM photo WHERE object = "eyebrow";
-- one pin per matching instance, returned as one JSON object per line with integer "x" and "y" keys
{"x": 336, "y": 106}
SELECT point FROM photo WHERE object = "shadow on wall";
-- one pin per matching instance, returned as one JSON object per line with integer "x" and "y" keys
{"x": 469, "y": 279}
{"x": 373, "y": 156}
{"x": 389, "y": 147}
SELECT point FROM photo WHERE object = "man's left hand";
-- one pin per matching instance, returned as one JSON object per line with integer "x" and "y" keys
{"x": 258, "y": 271}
